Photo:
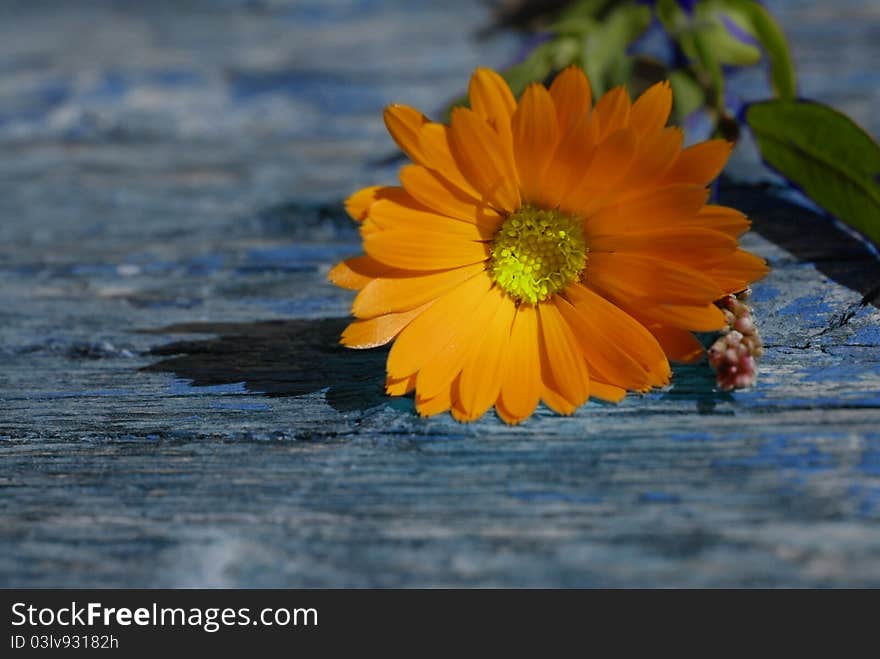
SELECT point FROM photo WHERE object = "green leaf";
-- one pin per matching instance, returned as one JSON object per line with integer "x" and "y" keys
{"x": 707, "y": 40}
{"x": 671, "y": 16}
{"x": 726, "y": 48}
{"x": 826, "y": 154}
{"x": 537, "y": 66}
{"x": 702, "y": 38}
{"x": 578, "y": 26}
{"x": 770, "y": 35}
{"x": 687, "y": 92}
{"x": 605, "y": 47}
{"x": 711, "y": 67}
{"x": 583, "y": 8}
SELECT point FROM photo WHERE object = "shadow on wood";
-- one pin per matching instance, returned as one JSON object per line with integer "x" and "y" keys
{"x": 297, "y": 357}
{"x": 809, "y": 236}
{"x": 277, "y": 358}
{"x": 696, "y": 382}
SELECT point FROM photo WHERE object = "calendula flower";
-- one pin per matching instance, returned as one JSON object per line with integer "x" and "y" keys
{"x": 543, "y": 250}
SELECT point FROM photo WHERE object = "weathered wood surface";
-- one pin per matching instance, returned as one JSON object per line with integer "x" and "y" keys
{"x": 175, "y": 411}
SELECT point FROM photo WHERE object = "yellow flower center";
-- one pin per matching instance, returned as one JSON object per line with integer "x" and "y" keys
{"x": 537, "y": 253}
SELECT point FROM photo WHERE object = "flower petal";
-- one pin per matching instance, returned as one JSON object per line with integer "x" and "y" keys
{"x": 535, "y": 134}
{"x": 378, "y": 331}
{"x": 666, "y": 208}
{"x": 368, "y": 227}
{"x": 552, "y": 398}
{"x": 442, "y": 197}
{"x": 480, "y": 382}
{"x": 697, "y": 318}
{"x": 400, "y": 387}
{"x": 700, "y": 163}
{"x": 457, "y": 409}
{"x": 650, "y": 112}
{"x": 409, "y": 215}
{"x": 434, "y": 140}
{"x": 722, "y": 218}
{"x": 609, "y": 164}
{"x": 439, "y": 403}
{"x": 679, "y": 345}
{"x": 521, "y": 385}
{"x": 635, "y": 276}
{"x": 483, "y": 159}
{"x": 615, "y": 344}
{"x": 571, "y": 96}
{"x": 687, "y": 245}
{"x": 599, "y": 340}
{"x": 506, "y": 415}
{"x": 570, "y": 163}
{"x": 491, "y": 98}
{"x": 358, "y": 271}
{"x": 656, "y": 153}
{"x": 606, "y": 392}
{"x": 738, "y": 271}
{"x": 613, "y": 110}
{"x": 446, "y": 363}
{"x": 622, "y": 330}
{"x": 404, "y": 124}
{"x": 433, "y": 329}
{"x": 562, "y": 358}
{"x": 423, "y": 250}
{"x": 358, "y": 204}
{"x": 389, "y": 294}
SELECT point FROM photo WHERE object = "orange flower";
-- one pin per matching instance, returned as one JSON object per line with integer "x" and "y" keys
{"x": 542, "y": 250}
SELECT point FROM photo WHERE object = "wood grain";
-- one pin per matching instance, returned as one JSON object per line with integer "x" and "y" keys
{"x": 174, "y": 409}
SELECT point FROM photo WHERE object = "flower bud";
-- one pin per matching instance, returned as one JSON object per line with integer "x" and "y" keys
{"x": 733, "y": 353}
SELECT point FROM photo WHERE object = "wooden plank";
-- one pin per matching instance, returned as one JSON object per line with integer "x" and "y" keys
{"x": 174, "y": 410}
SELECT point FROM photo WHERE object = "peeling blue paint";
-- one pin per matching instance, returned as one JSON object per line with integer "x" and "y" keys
{"x": 868, "y": 335}
{"x": 241, "y": 407}
{"x": 296, "y": 306}
{"x": 870, "y": 462}
{"x": 867, "y": 500}
{"x": 294, "y": 258}
{"x": 112, "y": 87}
{"x": 658, "y": 497}
{"x": 807, "y": 306}
{"x": 185, "y": 388}
{"x": 867, "y": 399}
{"x": 695, "y": 437}
{"x": 781, "y": 453}
{"x": 549, "y": 496}
{"x": 836, "y": 372}
{"x": 100, "y": 393}
{"x": 155, "y": 216}
{"x": 174, "y": 78}
{"x": 327, "y": 93}
{"x": 764, "y": 293}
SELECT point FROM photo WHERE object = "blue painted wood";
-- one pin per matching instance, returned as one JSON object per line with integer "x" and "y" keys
{"x": 174, "y": 410}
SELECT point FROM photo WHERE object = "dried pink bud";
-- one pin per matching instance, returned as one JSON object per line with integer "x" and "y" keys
{"x": 733, "y": 354}
{"x": 744, "y": 324}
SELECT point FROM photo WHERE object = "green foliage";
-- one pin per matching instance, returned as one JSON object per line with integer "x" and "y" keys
{"x": 689, "y": 95}
{"x": 761, "y": 24}
{"x": 592, "y": 34}
{"x": 706, "y": 38}
{"x": 597, "y": 34}
{"x": 823, "y": 152}
{"x": 834, "y": 161}
{"x": 603, "y": 53}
